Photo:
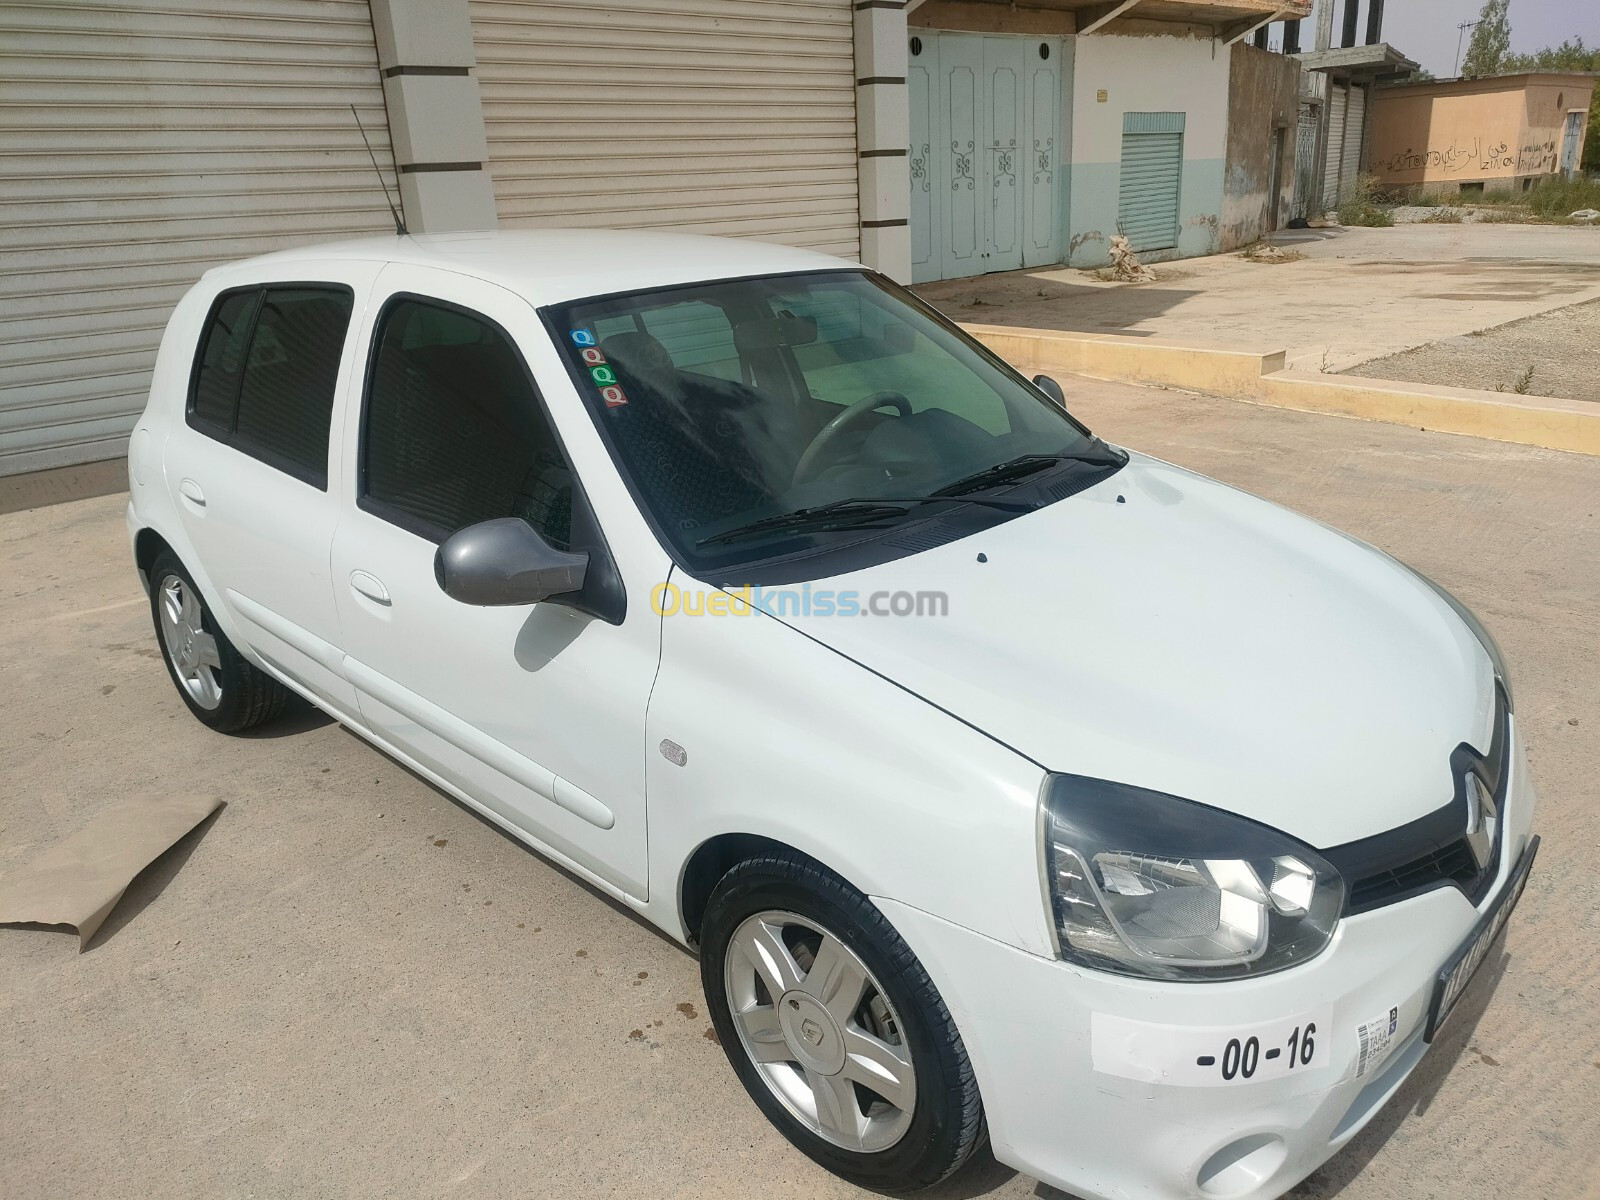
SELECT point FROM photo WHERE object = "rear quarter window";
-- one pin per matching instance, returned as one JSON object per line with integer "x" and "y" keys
{"x": 266, "y": 371}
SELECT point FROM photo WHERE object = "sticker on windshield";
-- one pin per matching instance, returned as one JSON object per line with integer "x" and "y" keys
{"x": 1374, "y": 1040}
{"x": 592, "y": 356}
{"x": 582, "y": 337}
{"x": 602, "y": 375}
{"x": 613, "y": 396}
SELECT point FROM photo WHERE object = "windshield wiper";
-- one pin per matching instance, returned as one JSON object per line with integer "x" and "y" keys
{"x": 1019, "y": 468}
{"x": 847, "y": 514}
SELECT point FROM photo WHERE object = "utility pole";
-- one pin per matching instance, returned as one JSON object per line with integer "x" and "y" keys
{"x": 1461, "y": 31}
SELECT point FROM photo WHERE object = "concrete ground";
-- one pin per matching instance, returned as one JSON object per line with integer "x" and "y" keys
{"x": 1555, "y": 353}
{"x": 346, "y": 985}
{"x": 1359, "y": 294}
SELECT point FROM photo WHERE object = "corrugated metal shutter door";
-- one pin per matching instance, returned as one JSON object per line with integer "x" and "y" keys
{"x": 141, "y": 143}
{"x": 1152, "y": 168}
{"x": 1335, "y": 155}
{"x": 731, "y": 117}
{"x": 1354, "y": 128}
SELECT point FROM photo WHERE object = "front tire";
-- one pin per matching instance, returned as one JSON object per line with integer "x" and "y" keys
{"x": 221, "y": 688}
{"x": 834, "y": 1028}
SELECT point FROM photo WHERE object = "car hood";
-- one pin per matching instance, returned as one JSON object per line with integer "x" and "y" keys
{"x": 1164, "y": 630}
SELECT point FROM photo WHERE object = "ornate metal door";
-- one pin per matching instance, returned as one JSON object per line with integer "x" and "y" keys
{"x": 984, "y": 164}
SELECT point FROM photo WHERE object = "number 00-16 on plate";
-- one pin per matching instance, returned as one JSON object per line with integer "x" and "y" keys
{"x": 1212, "y": 1056}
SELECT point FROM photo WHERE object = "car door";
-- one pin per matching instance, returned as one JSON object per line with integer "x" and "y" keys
{"x": 535, "y": 712}
{"x": 255, "y": 469}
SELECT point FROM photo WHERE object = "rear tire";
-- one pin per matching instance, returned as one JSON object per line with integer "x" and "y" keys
{"x": 221, "y": 688}
{"x": 834, "y": 1028}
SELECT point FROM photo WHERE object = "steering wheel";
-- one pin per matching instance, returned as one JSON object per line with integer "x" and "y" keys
{"x": 806, "y": 469}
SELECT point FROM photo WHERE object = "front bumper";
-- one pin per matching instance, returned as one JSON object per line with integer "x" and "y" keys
{"x": 1026, "y": 1022}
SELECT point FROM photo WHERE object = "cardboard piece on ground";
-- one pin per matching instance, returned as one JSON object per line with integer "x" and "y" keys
{"x": 79, "y": 881}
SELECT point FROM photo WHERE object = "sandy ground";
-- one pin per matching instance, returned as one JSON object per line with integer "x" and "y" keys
{"x": 1358, "y": 294}
{"x": 1561, "y": 347}
{"x": 346, "y": 985}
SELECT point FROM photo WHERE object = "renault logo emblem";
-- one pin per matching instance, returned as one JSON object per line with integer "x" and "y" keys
{"x": 1482, "y": 817}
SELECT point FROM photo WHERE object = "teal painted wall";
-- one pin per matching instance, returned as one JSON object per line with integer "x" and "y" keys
{"x": 1092, "y": 211}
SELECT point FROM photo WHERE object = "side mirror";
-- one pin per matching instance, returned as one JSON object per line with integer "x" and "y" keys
{"x": 1050, "y": 388}
{"x": 505, "y": 561}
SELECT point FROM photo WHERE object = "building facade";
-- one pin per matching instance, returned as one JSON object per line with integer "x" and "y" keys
{"x": 1465, "y": 135}
{"x": 142, "y": 141}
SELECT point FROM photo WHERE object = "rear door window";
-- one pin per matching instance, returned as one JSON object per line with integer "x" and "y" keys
{"x": 267, "y": 372}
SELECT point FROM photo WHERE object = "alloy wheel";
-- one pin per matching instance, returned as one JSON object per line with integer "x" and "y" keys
{"x": 821, "y": 1031}
{"x": 191, "y": 650}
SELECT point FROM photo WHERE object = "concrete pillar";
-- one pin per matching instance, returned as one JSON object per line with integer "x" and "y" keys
{"x": 426, "y": 54}
{"x": 1325, "y": 24}
{"x": 1374, "y": 22}
{"x": 883, "y": 137}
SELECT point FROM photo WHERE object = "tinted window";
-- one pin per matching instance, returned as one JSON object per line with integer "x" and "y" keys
{"x": 216, "y": 380}
{"x": 454, "y": 432}
{"x": 268, "y": 369}
{"x": 718, "y": 401}
{"x": 286, "y": 398}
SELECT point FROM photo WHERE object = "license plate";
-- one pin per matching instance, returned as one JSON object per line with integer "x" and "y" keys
{"x": 1464, "y": 963}
{"x": 1215, "y": 1056}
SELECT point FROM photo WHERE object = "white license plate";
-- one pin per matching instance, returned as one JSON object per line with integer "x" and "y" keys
{"x": 1212, "y": 1056}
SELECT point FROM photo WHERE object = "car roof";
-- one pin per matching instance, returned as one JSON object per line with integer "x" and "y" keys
{"x": 548, "y": 266}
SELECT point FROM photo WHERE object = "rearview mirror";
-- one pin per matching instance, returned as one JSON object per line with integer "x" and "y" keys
{"x": 768, "y": 333}
{"x": 505, "y": 561}
{"x": 1050, "y": 388}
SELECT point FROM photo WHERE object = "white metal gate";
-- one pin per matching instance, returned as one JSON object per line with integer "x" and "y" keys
{"x": 1355, "y": 129}
{"x": 731, "y": 117}
{"x": 142, "y": 141}
{"x": 986, "y": 175}
{"x": 1305, "y": 161}
{"x": 1333, "y": 157}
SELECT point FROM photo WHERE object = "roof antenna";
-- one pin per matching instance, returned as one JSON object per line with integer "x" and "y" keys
{"x": 399, "y": 225}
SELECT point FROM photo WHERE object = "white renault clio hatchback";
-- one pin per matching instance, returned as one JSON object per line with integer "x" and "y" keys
{"x": 1008, "y": 783}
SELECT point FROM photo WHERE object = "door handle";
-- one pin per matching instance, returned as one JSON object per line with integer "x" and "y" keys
{"x": 190, "y": 490}
{"x": 369, "y": 586}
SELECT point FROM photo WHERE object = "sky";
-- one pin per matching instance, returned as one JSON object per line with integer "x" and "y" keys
{"x": 1425, "y": 30}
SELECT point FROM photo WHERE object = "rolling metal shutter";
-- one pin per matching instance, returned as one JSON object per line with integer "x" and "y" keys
{"x": 1354, "y": 128}
{"x": 142, "y": 142}
{"x": 731, "y": 117}
{"x": 1152, "y": 169}
{"x": 1334, "y": 158}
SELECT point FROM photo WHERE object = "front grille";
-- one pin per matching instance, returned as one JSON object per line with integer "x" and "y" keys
{"x": 1432, "y": 851}
{"x": 1453, "y": 864}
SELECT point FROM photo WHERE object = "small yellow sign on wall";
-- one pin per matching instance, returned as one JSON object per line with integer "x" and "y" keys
{"x": 1102, "y": 96}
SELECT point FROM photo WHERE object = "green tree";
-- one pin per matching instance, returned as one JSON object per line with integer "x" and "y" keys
{"x": 1491, "y": 41}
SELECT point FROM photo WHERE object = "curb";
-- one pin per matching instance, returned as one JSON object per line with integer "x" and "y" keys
{"x": 1196, "y": 365}
{"x": 1260, "y": 377}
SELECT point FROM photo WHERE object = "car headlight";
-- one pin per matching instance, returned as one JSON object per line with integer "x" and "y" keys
{"x": 1485, "y": 638}
{"x": 1142, "y": 883}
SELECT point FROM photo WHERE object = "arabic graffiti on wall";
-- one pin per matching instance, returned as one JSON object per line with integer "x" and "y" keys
{"x": 1477, "y": 155}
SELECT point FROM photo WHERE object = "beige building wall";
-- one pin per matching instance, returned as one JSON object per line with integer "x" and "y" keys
{"x": 1473, "y": 130}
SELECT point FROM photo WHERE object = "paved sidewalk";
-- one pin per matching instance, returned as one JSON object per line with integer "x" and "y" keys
{"x": 347, "y": 986}
{"x": 1359, "y": 294}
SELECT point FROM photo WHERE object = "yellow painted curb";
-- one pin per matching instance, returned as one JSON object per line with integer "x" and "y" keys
{"x": 1197, "y": 365}
{"x": 1260, "y": 377}
{"x": 1506, "y": 417}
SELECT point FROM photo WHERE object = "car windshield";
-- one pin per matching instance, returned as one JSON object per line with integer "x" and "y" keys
{"x": 732, "y": 406}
